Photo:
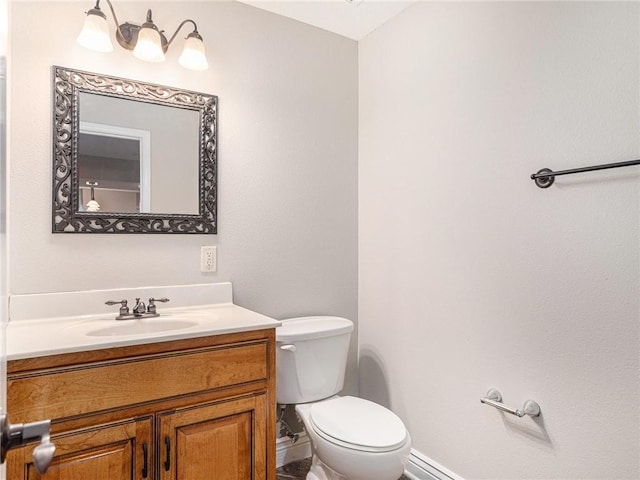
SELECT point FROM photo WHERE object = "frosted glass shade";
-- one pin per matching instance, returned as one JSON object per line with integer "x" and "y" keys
{"x": 149, "y": 46}
{"x": 93, "y": 206}
{"x": 95, "y": 34}
{"x": 193, "y": 56}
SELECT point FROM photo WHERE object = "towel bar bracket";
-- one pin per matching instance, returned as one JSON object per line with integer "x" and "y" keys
{"x": 544, "y": 181}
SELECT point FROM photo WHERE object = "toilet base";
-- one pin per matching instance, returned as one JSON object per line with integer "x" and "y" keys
{"x": 320, "y": 471}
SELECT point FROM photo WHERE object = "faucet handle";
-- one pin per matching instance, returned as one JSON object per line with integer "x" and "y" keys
{"x": 124, "y": 309}
{"x": 163, "y": 300}
{"x": 151, "y": 308}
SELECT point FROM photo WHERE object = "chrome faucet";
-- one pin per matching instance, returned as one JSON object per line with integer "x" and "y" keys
{"x": 139, "y": 309}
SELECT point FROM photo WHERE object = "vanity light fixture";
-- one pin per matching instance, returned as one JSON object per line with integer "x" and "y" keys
{"x": 147, "y": 41}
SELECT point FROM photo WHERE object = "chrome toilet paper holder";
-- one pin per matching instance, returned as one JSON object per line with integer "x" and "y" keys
{"x": 494, "y": 399}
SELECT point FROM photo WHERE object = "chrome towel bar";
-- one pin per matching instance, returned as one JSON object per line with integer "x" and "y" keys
{"x": 494, "y": 399}
{"x": 544, "y": 178}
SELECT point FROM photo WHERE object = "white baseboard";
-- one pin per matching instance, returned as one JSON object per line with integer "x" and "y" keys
{"x": 287, "y": 452}
{"x": 421, "y": 467}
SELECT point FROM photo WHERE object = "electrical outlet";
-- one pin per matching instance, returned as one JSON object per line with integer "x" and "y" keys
{"x": 208, "y": 259}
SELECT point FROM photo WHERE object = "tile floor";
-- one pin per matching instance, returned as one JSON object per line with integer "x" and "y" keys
{"x": 298, "y": 471}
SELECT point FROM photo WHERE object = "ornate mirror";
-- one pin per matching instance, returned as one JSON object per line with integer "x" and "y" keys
{"x": 132, "y": 157}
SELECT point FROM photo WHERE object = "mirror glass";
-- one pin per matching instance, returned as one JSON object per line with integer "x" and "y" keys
{"x": 132, "y": 157}
{"x": 140, "y": 157}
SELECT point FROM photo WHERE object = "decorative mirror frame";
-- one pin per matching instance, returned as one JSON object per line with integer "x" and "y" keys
{"x": 67, "y": 85}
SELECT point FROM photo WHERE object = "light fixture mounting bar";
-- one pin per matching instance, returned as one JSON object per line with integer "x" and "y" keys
{"x": 120, "y": 36}
{"x": 195, "y": 29}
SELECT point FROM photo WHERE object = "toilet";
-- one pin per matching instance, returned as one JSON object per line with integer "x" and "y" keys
{"x": 351, "y": 438}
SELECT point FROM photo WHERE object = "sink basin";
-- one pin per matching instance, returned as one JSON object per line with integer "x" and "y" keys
{"x": 139, "y": 327}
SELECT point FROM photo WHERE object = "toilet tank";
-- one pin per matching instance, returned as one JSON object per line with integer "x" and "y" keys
{"x": 311, "y": 358}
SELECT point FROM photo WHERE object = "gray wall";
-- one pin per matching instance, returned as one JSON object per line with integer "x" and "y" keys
{"x": 287, "y": 159}
{"x": 486, "y": 280}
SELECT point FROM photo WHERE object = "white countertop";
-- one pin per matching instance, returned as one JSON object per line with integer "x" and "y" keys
{"x": 51, "y": 336}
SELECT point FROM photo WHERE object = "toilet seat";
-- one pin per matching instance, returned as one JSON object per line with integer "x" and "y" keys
{"x": 357, "y": 424}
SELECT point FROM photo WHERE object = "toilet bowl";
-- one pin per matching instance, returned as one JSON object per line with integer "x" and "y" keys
{"x": 355, "y": 439}
{"x": 351, "y": 438}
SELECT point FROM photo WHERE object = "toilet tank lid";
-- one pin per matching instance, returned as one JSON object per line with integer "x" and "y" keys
{"x": 358, "y": 422}
{"x": 307, "y": 328}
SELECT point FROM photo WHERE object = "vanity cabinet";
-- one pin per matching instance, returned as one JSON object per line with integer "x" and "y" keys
{"x": 196, "y": 409}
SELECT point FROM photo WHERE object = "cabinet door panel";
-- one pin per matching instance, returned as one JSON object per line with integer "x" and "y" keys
{"x": 220, "y": 447}
{"x": 113, "y": 462}
{"x": 221, "y": 441}
{"x": 113, "y": 452}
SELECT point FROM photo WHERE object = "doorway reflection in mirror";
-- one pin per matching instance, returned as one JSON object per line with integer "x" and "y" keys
{"x": 119, "y": 158}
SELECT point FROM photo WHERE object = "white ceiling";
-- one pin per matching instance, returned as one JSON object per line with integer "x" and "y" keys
{"x": 351, "y": 19}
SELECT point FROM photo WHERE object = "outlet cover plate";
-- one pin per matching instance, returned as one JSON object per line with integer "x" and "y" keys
{"x": 208, "y": 259}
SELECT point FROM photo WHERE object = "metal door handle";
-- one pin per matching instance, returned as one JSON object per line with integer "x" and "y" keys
{"x": 145, "y": 464}
{"x": 43, "y": 454}
{"x": 13, "y": 436}
{"x": 167, "y": 462}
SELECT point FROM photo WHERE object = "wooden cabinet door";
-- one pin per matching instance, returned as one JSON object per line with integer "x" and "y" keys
{"x": 119, "y": 451}
{"x": 226, "y": 440}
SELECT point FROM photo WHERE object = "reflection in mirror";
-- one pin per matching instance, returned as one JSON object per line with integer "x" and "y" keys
{"x": 132, "y": 157}
{"x": 166, "y": 138}
{"x": 112, "y": 162}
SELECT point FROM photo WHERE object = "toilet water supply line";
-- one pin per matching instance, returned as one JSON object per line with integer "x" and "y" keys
{"x": 288, "y": 430}
{"x": 494, "y": 399}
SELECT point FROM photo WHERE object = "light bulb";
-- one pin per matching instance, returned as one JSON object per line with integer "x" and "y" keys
{"x": 149, "y": 45}
{"x": 193, "y": 56}
{"x": 95, "y": 32}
